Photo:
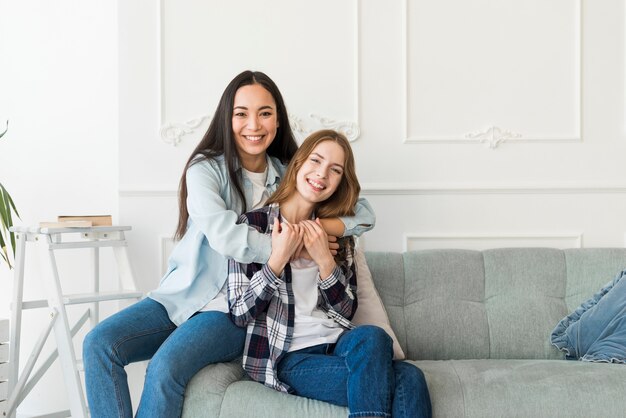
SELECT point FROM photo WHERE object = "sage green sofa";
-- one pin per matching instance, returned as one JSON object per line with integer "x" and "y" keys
{"x": 478, "y": 325}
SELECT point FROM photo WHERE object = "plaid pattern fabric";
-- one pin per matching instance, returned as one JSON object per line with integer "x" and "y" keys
{"x": 264, "y": 303}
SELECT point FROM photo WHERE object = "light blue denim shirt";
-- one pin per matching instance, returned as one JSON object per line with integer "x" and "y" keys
{"x": 198, "y": 265}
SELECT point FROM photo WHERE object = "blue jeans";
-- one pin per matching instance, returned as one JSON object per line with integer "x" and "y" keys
{"x": 358, "y": 372}
{"x": 144, "y": 331}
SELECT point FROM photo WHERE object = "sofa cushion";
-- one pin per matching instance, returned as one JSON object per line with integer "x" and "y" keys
{"x": 524, "y": 388}
{"x": 262, "y": 402}
{"x": 444, "y": 307}
{"x": 588, "y": 270}
{"x": 596, "y": 330}
{"x": 371, "y": 310}
{"x": 499, "y": 303}
{"x": 205, "y": 391}
{"x": 524, "y": 291}
{"x": 458, "y": 388}
{"x": 387, "y": 271}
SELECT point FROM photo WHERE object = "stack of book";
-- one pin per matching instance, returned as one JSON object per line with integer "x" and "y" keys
{"x": 85, "y": 221}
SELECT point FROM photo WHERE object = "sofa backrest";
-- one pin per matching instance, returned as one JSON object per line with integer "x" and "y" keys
{"x": 499, "y": 304}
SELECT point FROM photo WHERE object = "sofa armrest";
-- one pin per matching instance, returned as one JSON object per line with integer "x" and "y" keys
{"x": 205, "y": 392}
{"x": 251, "y": 399}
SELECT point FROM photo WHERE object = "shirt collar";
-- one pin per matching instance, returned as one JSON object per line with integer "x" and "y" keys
{"x": 273, "y": 175}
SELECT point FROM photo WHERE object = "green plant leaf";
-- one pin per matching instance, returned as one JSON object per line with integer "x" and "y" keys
{"x": 8, "y": 196}
{"x": 5, "y": 256}
{"x": 2, "y": 243}
{"x": 4, "y": 218}
{"x": 3, "y": 249}
{"x": 5, "y": 131}
{"x": 6, "y": 221}
{"x": 7, "y": 203}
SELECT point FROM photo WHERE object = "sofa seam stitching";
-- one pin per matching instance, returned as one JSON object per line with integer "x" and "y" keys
{"x": 458, "y": 378}
{"x": 482, "y": 256}
{"x": 224, "y": 395}
{"x": 564, "y": 297}
{"x": 406, "y": 339}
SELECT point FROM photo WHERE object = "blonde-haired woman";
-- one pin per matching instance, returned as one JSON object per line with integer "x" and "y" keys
{"x": 297, "y": 311}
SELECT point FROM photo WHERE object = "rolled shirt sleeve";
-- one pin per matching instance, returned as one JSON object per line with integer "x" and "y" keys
{"x": 363, "y": 220}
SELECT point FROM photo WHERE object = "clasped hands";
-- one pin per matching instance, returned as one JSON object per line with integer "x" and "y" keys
{"x": 306, "y": 239}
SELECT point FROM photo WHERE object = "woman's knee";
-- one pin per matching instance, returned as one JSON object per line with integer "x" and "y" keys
{"x": 97, "y": 341}
{"x": 165, "y": 370}
{"x": 366, "y": 340}
{"x": 103, "y": 342}
{"x": 373, "y": 335}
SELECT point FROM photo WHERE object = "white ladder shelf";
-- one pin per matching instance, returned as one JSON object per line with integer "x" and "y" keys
{"x": 47, "y": 241}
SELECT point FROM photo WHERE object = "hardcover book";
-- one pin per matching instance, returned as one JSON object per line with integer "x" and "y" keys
{"x": 96, "y": 220}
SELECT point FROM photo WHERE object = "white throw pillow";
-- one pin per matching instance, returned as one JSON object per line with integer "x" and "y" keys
{"x": 371, "y": 310}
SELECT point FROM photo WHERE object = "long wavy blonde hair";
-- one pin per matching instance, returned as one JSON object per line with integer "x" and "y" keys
{"x": 342, "y": 202}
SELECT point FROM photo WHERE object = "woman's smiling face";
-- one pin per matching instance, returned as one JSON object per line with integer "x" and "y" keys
{"x": 255, "y": 121}
{"x": 321, "y": 173}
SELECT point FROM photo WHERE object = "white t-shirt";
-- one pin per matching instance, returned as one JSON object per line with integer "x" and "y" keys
{"x": 311, "y": 325}
{"x": 259, "y": 191}
{"x": 259, "y": 197}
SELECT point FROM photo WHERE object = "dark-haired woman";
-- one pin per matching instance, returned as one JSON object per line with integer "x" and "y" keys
{"x": 183, "y": 325}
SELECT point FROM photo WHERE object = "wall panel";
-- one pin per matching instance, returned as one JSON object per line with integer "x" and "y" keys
{"x": 479, "y": 123}
{"x": 491, "y": 71}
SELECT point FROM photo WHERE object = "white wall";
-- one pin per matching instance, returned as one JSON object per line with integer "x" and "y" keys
{"x": 481, "y": 123}
{"x": 59, "y": 89}
{"x": 421, "y": 83}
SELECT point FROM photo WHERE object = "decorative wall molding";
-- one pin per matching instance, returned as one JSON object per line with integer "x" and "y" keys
{"x": 493, "y": 139}
{"x": 493, "y": 136}
{"x": 173, "y": 132}
{"x": 382, "y": 189}
{"x": 148, "y": 193}
{"x": 350, "y": 129}
{"x": 409, "y": 189}
{"x": 417, "y": 241}
{"x": 495, "y": 240}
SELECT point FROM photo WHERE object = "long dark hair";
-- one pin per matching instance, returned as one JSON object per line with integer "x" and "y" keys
{"x": 219, "y": 140}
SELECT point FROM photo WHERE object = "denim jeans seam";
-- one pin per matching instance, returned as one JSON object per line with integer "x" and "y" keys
{"x": 114, "y": 350}
{"x": 369, "y": 414}
{"x": 127, "y": 338}
{"x": 118, "y": 397}
{"x": 228, "y": 355}
{"x": 399, "y": 398}
{"x": 299, "y": 372}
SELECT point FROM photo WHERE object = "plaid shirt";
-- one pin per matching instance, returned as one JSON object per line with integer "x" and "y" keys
{"x": 264, "y": 303}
